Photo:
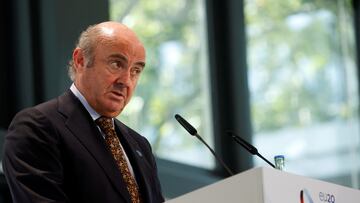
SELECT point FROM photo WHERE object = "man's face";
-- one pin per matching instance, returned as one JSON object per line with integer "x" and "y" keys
{"x": 109, "y": 83}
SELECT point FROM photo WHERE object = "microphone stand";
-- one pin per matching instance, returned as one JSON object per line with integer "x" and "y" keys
{"x": 216, "y": 156}
{"x": 192, "y": 131}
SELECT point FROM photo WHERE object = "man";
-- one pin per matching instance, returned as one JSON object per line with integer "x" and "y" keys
{"x": 67, "y": 149}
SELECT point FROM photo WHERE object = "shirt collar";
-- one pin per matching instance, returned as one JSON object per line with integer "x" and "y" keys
{"x": 94, "y": 115}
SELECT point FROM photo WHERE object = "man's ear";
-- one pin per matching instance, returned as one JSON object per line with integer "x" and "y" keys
{"x": 78, "y": 59}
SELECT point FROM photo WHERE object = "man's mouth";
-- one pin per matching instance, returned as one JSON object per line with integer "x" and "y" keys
{"x": 118, "y": 94}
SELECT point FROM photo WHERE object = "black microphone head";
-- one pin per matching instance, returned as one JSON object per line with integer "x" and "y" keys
{"x": 248, "y": 146}
{"x": 188, "y": 127}
{"x": 243, "y": 142}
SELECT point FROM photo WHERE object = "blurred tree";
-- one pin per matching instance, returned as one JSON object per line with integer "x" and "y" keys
{"x": 172, "y": 82}
{"x": 297, "y": 61}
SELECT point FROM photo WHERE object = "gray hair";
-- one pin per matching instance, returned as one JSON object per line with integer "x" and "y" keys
{"x": 87, "y": 43}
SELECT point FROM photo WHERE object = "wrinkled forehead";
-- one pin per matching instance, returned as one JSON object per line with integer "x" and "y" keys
{"x": 131, "y": 50}
{"x": 123, "y": 38}
{"x": 119, "y": 31}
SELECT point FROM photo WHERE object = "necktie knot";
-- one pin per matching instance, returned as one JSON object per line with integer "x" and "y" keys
{"x": 105, "y": 124}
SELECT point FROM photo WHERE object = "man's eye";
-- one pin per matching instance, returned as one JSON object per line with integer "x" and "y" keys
{"x": 136, "y": 71}
{"x": 115, "y": 65}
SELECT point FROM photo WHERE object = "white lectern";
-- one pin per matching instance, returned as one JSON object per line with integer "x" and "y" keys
{"x": 267, "y": 185}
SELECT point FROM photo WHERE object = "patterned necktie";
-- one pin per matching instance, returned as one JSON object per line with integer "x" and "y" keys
{"x": 113, "y": 144}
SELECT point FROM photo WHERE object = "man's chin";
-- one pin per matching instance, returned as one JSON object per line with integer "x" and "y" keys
{"x": 111, "y": 108}
{"x": 111, "y": 114}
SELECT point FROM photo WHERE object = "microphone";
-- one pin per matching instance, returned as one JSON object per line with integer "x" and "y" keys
{"x": 188, "y": 127}
{"x": 248, "y": 147}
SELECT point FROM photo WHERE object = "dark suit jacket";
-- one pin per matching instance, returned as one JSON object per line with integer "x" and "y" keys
{"x": 54, "y": 152}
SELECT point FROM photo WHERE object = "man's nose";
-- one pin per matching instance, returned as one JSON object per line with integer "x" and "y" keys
{"x": 124, "y": 78}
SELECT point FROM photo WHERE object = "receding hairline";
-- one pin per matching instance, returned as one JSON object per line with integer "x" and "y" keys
{"x": 105, "y": 32}
{"x": 115, "y": 29}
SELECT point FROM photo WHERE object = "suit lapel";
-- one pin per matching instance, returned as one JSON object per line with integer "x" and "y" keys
{"x": 139, "y": 163}
{"x": 82, "y": 126}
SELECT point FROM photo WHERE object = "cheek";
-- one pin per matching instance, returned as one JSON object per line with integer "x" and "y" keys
{"x": 103, "y": 82}
{"x": 98, "y": 84}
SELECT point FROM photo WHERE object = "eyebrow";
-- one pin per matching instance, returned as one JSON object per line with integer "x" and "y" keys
{"x": 122, "y": 57}
{"x": 118, "y": 56}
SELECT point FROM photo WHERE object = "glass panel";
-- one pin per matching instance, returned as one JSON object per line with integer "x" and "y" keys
{"x": 175, "y": 79}
{"x": 304, "y": 96}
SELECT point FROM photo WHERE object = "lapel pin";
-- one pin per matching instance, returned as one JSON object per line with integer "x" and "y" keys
{"x": 139, "y": 153}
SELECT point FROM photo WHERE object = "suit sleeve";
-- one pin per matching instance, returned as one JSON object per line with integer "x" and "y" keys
{"x": 32, "y": 160}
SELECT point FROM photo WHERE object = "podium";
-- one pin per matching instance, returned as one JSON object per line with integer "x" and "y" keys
{"x": 268, "y": 185}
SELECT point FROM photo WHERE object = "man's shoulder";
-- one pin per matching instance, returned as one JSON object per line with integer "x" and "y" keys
{"x": 66, "y": 99}
{"x": 131, "y": 134}
{"x": 125, "y": 128}
{"x": 45, "y": 109}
